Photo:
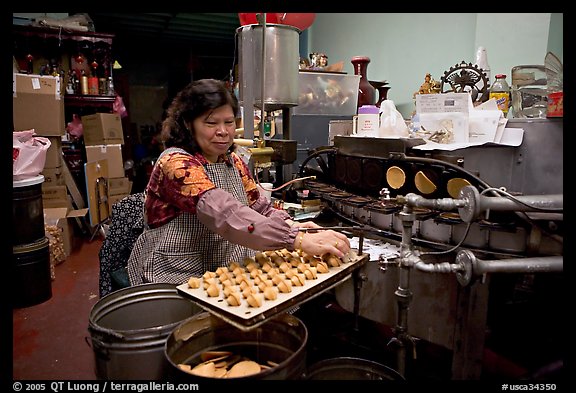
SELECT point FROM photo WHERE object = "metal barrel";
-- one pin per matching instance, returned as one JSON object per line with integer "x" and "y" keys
{"x": 32, "y": 278}
{"x": 348, "y": 368}
{"x": 129, "y": 328}
{"x": 27, "y": 210}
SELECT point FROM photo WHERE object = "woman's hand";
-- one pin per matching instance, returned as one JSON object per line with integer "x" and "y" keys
{"x": 305, "y": 224}
{"x": 322, "y": 242}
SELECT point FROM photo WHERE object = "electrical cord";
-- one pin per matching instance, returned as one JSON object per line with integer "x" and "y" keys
{"x": 286, "y": 184}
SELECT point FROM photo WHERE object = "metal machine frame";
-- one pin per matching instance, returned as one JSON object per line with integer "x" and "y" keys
{"x": 494, "y": 232}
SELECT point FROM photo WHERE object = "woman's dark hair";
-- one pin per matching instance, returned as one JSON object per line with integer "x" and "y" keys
{"x": 195, "y": 100}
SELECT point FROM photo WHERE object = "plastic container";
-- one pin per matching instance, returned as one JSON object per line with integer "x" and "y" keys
{"x": 325, "y": 93}
{"x": 368, "y": 121}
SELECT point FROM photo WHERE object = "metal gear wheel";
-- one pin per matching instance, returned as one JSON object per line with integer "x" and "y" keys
{"x": 466, "y": 77}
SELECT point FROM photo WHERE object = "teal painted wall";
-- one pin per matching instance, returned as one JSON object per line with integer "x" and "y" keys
{"x": 403, "y": 47}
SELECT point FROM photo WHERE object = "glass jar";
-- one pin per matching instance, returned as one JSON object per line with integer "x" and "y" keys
{"x": 529, "y": 91}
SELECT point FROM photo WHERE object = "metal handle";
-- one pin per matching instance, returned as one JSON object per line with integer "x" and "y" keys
{"x": 344, "y": 229}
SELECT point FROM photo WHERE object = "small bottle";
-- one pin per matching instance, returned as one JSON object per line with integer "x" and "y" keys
{"x": 500, "y": 91}
{"x": 111, "y": 91}
{"x": 84, "y": 83}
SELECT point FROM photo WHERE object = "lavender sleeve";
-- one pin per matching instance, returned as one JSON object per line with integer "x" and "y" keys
{"x": 240, "y": 224}
{"x": 264, "y": 207}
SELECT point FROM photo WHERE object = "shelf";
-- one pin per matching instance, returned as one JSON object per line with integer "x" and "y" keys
{"x": 89, "y": 100}
{"x": 62, "y": 33}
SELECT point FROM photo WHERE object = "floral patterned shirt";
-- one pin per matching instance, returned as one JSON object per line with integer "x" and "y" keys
{"x": 178, "y": 180}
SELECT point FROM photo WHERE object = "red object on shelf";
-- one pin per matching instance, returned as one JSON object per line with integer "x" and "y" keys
{"x": 366, "y": 92}
{"x": 250, "y": 18}
{"x": 302, "y": 21}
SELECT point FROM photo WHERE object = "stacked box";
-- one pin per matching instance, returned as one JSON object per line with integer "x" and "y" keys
{"x": 38, "y": 104}
{"x": 102, "y": 129}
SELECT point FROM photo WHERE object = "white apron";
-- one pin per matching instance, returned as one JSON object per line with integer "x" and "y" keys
{"x": 184, "y": 247}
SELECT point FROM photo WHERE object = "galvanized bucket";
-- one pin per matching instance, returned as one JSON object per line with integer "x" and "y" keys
{"x": 280, "y": 341}
{"x": 348, "y": 368}
{"x": 129, "y": 327}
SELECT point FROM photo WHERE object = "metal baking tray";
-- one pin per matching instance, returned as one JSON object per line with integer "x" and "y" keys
{"x": 246, "y": 318}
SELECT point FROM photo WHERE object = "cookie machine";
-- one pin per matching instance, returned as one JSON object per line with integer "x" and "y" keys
{"x": 480, "y": 233}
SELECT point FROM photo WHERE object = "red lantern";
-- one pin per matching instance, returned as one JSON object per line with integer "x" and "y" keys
{"x": 301, "y": 21}
{"x": 250, "y": 19}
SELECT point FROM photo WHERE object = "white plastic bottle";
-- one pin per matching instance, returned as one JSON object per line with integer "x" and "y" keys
{"x": 482, "y": 62}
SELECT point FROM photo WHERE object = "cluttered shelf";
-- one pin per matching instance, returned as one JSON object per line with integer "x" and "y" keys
{"x": 62, "y": 33}
{"x": 89, "y": 100}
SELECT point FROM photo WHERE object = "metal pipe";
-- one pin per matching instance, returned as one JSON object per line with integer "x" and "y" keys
{"x": 477, "y": 203}
{"x": 519, "y": 265}
{"x": 263, "y": 89}
{"x": 446, "y": 204}
{"x": 442, "y": 267}
{"x": 522, "y": 203}
{"x": 471, "y": 267}
{"x": 403, "y": 293}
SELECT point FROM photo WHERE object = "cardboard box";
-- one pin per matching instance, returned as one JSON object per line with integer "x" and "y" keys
{"x": 38, "y": 103}
{"x": 54, "y": 192}
{"x": 112, "y": 153}
{"x": 119, "y": 185}
{"x": 60, "y": 217}
{"x": 54, "y": 153}
{"x": 54, "y": 196}
{"x": 53, "y": 177}
{"x": 102, "y": 129}
{"x": 53, "y": 203}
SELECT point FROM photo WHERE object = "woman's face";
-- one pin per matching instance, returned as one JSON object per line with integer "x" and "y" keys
{"x": 215, "y": 131}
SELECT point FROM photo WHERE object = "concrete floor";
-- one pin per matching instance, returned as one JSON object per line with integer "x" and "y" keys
{"x": 51, "y": 339}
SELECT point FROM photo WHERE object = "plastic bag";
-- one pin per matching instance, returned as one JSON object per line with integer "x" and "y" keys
{"x": 392, "y": 124}
{"x": 119, "y": 107}
{"x": 28, "y": 154}
{"x": 74, "y": 128}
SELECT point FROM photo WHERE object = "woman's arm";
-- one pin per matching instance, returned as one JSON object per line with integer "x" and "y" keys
{"x": 240, "y": 224}
{"x": 264, "y": 207}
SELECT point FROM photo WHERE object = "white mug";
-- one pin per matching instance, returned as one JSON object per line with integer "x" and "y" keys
{"x": 266, "y": 190}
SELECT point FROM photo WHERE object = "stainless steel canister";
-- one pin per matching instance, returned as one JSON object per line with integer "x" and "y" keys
{"x": 280, "y": 66}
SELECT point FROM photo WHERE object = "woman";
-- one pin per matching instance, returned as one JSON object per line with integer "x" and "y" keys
{"x": 202, "y": 207}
